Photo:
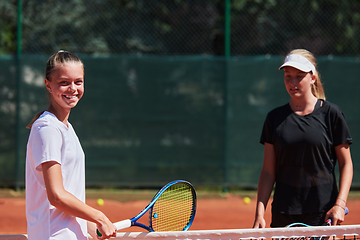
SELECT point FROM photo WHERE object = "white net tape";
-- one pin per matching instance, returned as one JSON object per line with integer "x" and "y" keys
{"x": 340, "y": 232}
{"x": 348, "y": 231}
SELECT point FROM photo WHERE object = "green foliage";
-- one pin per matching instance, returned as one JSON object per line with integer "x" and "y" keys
{"x": 8, "y": 20}
{"x": 182, "y": 27}
{"x": 276, "y": 26}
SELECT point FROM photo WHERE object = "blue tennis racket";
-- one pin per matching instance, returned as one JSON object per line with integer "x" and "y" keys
{"x": 327, "y": 223}
{"x": 172, "y": 209}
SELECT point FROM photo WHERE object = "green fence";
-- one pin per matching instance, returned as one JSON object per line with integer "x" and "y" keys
{"x": 144, "y": 121}
{"x": 174, "y": 89}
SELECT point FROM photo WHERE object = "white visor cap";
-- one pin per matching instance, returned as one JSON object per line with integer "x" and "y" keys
{"x": 299, "y": 62}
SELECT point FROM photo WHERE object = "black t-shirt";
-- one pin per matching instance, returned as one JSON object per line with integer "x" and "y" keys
{"x": 305, "y": 156}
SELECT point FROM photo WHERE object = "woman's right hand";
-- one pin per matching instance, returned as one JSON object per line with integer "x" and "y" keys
{"x": 106, "y": 228}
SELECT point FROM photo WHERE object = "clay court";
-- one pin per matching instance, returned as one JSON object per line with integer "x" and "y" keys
{"x": 226, "y": 212}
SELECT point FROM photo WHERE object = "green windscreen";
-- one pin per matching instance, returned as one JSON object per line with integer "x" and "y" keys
{"x": 144, "y": 121}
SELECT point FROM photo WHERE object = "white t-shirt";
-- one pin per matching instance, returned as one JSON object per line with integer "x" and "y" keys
{"x": 51, "y": 140}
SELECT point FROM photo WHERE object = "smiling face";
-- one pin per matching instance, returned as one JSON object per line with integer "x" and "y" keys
{"x": 66, "y": 85}
{"x": 298, "y": 83}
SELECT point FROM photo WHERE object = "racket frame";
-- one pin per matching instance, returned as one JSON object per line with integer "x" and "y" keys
{"x": 133, "y": 221}
{"x": 157, "y": 196}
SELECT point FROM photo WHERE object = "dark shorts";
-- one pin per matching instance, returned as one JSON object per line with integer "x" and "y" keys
{"x": 282, "y": 220}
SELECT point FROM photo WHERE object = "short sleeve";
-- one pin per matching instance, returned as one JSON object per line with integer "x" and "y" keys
{"x": 341, "y": 130}
{"x": 46, "y": 145}
{"x": 266, "y": 136}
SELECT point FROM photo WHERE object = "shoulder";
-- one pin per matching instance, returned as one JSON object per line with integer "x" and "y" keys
{"x": 47, "y": 123}
{"x": 280, "y": 112}
{"x": 277, "y": 116}
{"x": 331, "y": 105}
{"x": 332, "y": 112}
{"x": 331, "y": 108}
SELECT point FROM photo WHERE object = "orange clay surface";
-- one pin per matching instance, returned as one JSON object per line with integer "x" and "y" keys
{"x": 229, "y": 212}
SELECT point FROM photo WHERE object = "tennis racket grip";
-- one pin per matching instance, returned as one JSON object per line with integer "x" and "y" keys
{"x": 119, "y": 225}
{"x": 123, "y": 224}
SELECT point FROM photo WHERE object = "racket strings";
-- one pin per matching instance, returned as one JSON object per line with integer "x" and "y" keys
{"x": 173, "y": 210}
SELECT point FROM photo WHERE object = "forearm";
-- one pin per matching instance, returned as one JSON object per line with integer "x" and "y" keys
{"x": 346, "y": 173}
{"x": 265, "y": 187}
{"x": 69, "y": 204}
{"x": 336, "y": 213}
{"x": 266, "y": 179}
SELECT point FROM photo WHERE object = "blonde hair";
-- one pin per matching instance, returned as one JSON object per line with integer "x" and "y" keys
{"x": 317, "y": 88}
{"x": 57, "y": 58}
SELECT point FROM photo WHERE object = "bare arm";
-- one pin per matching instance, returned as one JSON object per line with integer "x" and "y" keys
{"x": 265, "y": 185}
{"x": 68, "y": 203}
{"x": 336, "y": 213}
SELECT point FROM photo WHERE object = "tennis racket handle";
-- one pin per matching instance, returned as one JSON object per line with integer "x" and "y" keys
{"x": 123, "y": 224}
{"x": 119, "y": 225}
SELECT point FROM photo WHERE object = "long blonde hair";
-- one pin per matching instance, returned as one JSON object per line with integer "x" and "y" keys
{"x": 57, "y": 58}
{"x": 317, "y": 88}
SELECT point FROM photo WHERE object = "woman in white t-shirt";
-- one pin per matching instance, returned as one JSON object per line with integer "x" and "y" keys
{"x": 55, "y": 162}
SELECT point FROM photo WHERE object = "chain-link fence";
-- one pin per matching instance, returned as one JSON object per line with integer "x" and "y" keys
{"x": 151, "y": 112}
{"x": 181, "y": 27}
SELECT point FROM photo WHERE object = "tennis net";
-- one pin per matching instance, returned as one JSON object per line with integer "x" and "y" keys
{"x": 346, "y": 232}
{"x": 321, "y": 232}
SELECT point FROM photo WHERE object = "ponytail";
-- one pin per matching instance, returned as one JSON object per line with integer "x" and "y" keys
{"x": 34, "y": 119}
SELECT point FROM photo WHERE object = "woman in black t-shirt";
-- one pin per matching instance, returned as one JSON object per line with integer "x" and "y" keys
{"x": 302, "y": 141}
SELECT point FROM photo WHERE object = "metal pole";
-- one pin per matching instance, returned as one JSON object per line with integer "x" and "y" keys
{"x": 18, "y": 82}
{"x": 226, "y": 77}
{"x": 227, "y": 27}
{"x": 19, "y": 29}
